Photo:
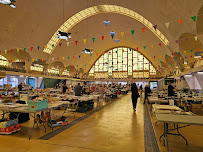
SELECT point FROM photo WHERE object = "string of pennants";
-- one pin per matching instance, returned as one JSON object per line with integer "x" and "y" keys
{"x": 167, "y": 24}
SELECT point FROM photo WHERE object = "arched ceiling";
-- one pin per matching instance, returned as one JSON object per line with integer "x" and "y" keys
{"x": 33, "y": 23}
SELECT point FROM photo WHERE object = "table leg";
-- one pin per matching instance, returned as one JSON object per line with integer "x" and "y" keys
{"x": 182, "y": 135}
{"x": 166, "y": 135}
{"x": 32, "y": 126}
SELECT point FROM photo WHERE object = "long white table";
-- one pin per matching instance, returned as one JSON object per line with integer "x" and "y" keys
{"x": 177, "y": 119}
{"x": 24, "y": 109}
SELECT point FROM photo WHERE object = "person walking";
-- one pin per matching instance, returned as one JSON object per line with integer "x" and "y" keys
{"x": 135, "y": 95}
{"x": 147, "y": 93}
{"x": 141, "y": 91}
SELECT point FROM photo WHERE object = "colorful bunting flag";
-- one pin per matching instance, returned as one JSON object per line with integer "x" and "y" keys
{"x": 152, "y": 46}
{"x": 180, "y": 21}
{"x": 102, "y": 37}
{"x": 122, "y": 34}
{"x": 155, "y": 27}
{"x": 160, "y": 44}
{"x": 18, "y": 50}
{"x": 194, "y": 18}
{"x": 132, "y": 31}
{"x": 144, "y": 47}
{"x": 84, "y": 40}
{"x": 31, "y": 48}
{"x": 38, "y": 48}
{"x": 45, "y": 46}
{"x": 68, "y": 43}
{"x": 176, "y": 41}
{"x": 196, "y": 38}
{"x": 93, "y": 39}
{"x": 76, "y": 42}
{"x": 167, "y": 25}
{"x": 60, "y": 44}
{"x": 24, "y": 49}
{"x": 143, "y": 29}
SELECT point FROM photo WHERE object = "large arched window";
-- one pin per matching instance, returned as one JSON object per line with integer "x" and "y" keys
{"x": 3, "y": 61}
{"x": 122, "y": 63}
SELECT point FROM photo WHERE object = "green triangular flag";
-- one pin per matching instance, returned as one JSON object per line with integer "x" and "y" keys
{"x": 166, "y": 54}
{"x": 132, "y": 31}
{"x": 144, "y": 47}
{"x": 93, "y": 39}
{"x": 52, "y": 45}
{"x": 37, "y": 60}
{"x": 68, "y": 57}
{"x": 191, "y": 50}
{"x": 24, "y": 49}
{"x": 90, "y": 54}
{"x": 194, "y": 18}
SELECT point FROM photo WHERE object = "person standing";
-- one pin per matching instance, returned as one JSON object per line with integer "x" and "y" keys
{"x": 170, "y": 90}
{"x": 86, "y": 88}
{"x": 141, "y": 90}
{"x": 20, "y": 87}
{"x": 147, "y": 93}
{"x": 78, "y": 90}
{"x": 64, "y": 88}
{"x": 135, "y": 95}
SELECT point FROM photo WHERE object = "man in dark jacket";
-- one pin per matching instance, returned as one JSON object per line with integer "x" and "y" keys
{"x": 146, "y": 93}
{"x": 170, "y": 90}
{"x": 78, "y": 90}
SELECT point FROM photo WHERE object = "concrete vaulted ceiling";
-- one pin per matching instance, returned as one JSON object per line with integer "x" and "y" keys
{"x": 33, "y": 23}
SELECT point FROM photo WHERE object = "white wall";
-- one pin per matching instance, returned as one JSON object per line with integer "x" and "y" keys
{"x": 193, "y": 82}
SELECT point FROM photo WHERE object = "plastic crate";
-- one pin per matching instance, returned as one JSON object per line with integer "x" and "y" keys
{"x": 10, "y": 130}
{"x": 5, "y": 124}
{"x": 37, "y": 105}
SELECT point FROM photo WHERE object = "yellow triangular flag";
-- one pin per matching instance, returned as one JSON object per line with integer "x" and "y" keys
{"x": 85, "y": 55}
{"x": 18, "y": 50}
{"x": 122, "y": 33}
{"x": 68, "y": 44}
{"x": 45, "y": 46}
{"x": 5, "y": 51}
{"x": 180, "y": 58}
{"x": 33, "y": 60}
{"x": 84, "y": 40}
{"x": 63, "y": 58}
{"x": 152, "y": 46}
{"x": 160, "y": 56}
{"x": 185, "y": 52}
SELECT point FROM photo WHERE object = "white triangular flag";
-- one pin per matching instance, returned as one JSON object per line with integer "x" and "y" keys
{"x": 5, "y": 51}
{"x": 196, "y": 38}
{"x": 167, "y": 24}
{"x": 68, "y": 44}
{"x": 52, "y": 59}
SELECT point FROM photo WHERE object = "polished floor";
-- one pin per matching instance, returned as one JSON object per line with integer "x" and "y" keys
{"x": 115, "y": 128}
